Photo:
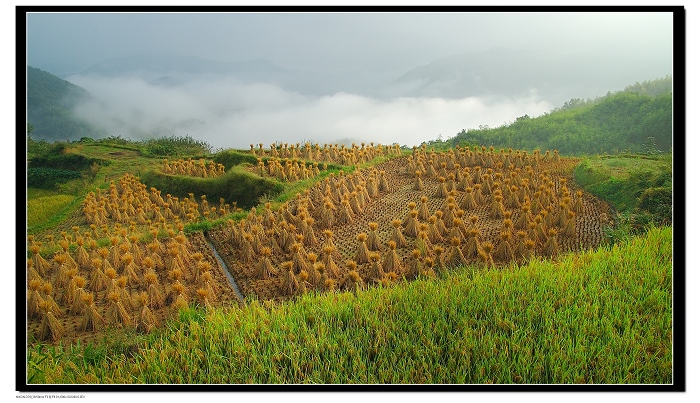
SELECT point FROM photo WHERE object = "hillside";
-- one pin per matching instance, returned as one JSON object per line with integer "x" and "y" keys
{"x": 207, "y": 268}
{"x": 49, "y": 103}
{"x": 621, "y": 121}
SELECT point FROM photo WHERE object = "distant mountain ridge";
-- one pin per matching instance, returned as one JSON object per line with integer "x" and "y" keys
{"x": 155, "y": 67}
{"x": 50, "y": 101}
{"x": 470, "y": 74}
{"x": 500, "y": 72}
{"x": 553, "y": 75}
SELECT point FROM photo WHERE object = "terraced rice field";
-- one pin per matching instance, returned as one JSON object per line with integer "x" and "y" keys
{"x": 123, "y": 260}
{"x": 305, "y": 222}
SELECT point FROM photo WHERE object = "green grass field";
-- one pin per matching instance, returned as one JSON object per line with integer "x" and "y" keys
{"x": 601, "y": 317}
{"x": 620, "y": 180}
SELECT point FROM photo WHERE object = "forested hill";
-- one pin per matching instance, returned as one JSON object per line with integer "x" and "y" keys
{"x": 635, "y": 119}
{"x": 49, "y": 103}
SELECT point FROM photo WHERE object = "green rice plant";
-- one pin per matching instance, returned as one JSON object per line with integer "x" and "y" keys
{"x": 175, "y": 146}
{"x": 235, "y": 185}
{"x": 43, "y": 209}
{"x": 598, "y": 317}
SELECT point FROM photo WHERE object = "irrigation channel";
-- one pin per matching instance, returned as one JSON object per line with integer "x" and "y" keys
{"x": 223, "y": 265}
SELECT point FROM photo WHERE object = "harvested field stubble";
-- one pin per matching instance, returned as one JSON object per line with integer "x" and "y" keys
{"x": 518, "y": 204}
{"x": 135, "y": 267}
{"x": 124, "y": 286}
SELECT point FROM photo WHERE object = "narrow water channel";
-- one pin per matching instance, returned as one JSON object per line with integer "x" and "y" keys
{"x": 223, "y": 265}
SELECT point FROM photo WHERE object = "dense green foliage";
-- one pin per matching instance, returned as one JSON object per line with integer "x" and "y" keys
{"x": 599, "y": 317}
{"x": 236, "y": 185}
{"x": 175, "y": 146}
{"x": 57, "y": 158}
{"x": 49, "y": 178}
{"x": 50, "y": 101}
{"x": 620, "y": 121}
{"x": 37, "y": 147}
{"x": 230, "y": 158}
{"x": 639, "y": 187}
{"x": 52, "y": 165}
{"x": 652, "y": 87}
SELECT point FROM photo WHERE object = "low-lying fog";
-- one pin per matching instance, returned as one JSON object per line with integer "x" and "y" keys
{"x": 227, "y": 114}
{"x": 403, "y": 77}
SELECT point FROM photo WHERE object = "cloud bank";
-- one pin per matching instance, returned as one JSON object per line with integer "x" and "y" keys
{"x": 230, "y": 114}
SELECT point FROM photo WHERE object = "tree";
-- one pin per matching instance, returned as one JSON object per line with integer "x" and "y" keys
{"x": 649, "y": 147}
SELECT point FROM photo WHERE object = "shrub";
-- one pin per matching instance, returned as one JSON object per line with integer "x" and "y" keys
{"x": 176, "y": 145}
{"x": 658, "y": 201}
{"x": 231, "y": 158}
{"x": 236, "y": 185}
{"x": 49, "y": 178}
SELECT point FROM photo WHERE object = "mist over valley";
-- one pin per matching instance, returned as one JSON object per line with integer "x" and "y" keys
{"x": 334, "y": 89}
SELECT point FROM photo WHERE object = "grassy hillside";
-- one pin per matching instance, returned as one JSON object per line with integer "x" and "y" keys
{"x": 639, "y": 187}
{"x": 629, "y": 120}
{"x": 599, "y": 317}
{"x": 595, "y": 316}
{"x": 49, "y": 104}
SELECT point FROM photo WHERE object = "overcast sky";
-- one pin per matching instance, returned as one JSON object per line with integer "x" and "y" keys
{"x": 65, "y": 43}
{"x": 369, "y": 48}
